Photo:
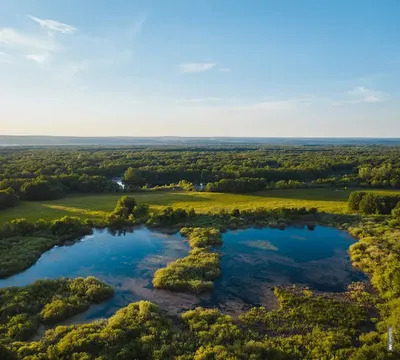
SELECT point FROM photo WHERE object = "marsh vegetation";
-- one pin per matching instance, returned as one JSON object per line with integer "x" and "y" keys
{"x": 293, "y": 186}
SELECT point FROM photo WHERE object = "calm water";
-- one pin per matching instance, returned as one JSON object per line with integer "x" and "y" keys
{"x": 119, "y": 182}
{"x": 253, "y": 262}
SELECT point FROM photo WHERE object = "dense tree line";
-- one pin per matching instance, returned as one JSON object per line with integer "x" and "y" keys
{"x": 54, "y": 187}
{"x": 49, "y": 173}
{"x": 373, "y": 203}
{"x": 8, "y": 198}
{"x": 241, "y": 185}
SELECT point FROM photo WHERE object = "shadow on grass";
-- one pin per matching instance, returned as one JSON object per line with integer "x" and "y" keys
{"x": 96, "y": 208}
{"x": 75, "y": 211}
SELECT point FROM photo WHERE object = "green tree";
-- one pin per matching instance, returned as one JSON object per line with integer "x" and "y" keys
{"x": 133, "y": 178}
{"x": 127, "y": 202}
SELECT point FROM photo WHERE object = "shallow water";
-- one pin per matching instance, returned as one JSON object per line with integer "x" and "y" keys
{"x": 253, "y": 261}
{"x": 119, "y": 182}
{"x": 256, "y": 260}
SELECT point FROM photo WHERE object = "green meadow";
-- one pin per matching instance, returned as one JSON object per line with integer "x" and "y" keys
{"x": 96, "y": 206}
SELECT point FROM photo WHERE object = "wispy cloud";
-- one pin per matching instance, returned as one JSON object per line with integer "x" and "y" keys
{"x": 225, "y": 70}
{"x": 53, "y": 25}
{"x": 38, "y": 58}
{"x": 363, "y": 95}
{"x": 196, "y": 67}
{"x": 286, "y": 104}
{"x": 12, "y": 38}
{"x": 263, "y": 106}
{"x": 360, "y": 95}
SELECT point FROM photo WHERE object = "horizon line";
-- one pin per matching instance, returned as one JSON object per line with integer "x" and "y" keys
{"x": 201, "y": 137}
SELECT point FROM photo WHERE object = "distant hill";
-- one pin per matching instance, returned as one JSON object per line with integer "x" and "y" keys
{"x": 10, "y": 140}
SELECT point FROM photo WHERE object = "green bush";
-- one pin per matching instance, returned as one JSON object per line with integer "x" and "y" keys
{"x": 169, "y": 216}
{"x": 68, "y": 225}
{"x": 372, "y": 203}
{"x": 193, "y": 273}
{"x": 354, "y": 200}
{"x": 40, "y": 189}
{"x": 396, "y": 212}
{"x": 8, "y": 198}
{"x": 202, "y": 237}
{"x": 46, "y": 301}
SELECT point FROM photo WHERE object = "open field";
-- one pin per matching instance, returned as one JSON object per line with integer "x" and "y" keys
{"x": 96, "y": 206}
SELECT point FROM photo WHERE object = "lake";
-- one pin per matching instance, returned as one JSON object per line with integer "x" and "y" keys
{"x": 253, "y": 261}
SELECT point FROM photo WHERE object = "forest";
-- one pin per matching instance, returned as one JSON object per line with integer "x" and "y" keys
{"x": 43, "y": 174}
{"x": 306, "y": 325}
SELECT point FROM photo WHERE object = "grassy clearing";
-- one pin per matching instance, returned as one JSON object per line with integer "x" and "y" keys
{"x": 96, "y": 206}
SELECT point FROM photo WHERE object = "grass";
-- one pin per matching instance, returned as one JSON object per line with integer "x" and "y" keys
{"x": 96, "y": 206}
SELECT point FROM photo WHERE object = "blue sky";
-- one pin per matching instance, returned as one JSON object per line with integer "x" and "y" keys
{"x": 200, "y": 68}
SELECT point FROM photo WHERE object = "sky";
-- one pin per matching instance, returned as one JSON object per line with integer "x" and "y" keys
{"x": 266, "y": 68}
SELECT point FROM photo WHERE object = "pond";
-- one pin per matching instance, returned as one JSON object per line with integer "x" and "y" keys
{"x": 253, "y": 261}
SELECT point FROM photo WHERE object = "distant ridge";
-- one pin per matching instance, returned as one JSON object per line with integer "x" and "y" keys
{"x": 38, "y": 140}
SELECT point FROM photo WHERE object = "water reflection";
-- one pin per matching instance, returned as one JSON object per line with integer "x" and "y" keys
{"x": 253, "y": 261}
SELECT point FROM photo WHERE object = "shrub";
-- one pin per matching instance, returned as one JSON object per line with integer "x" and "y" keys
{"x": 372, "y": 203}
{"x": 46, "y": 301}
{"x": 69, "y": 226}
{"x": 8, "y": 198}
{"x": 39, "y": 189}
{"x": 193, "y": 273}
{"x": 202, "y": 237}
{"x": 354, "y": 200}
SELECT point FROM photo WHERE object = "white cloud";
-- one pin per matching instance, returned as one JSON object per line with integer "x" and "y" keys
{"x": 53, "y": 25}
{"x": 372, "y": 99}
{"x": 12, "y": 38}
{"x": 196, "y": 67}
{"x": 225, "y": 70}
{"x": 39, "y": 58}
{"x": 360, "y": 95}
{"x": 364, "y": 95}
